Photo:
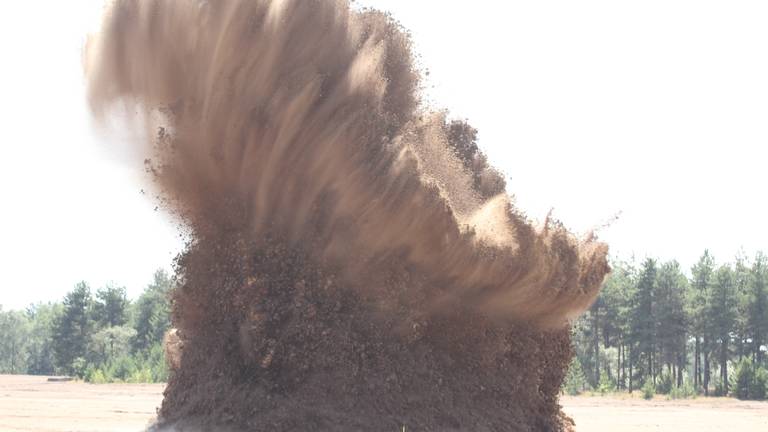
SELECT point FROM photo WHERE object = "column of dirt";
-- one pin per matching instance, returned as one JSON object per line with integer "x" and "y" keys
{"x": 353, "y": 263}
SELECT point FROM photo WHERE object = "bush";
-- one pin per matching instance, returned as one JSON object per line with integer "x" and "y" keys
{"x": 157, "y": 364}
{"x": 719, "y": 389}
{"x": 686, "y": 391}
{"x": 743, "y": 379}
{"x": 574, "y": 383}
{"x": 141, "y": 376}
{"x": 759, "y": 384}
{"x": 142, "y": 368}
{"x": 96, "y": 376}
{"x": 664, "y": 383}
{"x": 606, "y": 384}
{"x": 648, "y": 390}
{"x": 749, "y": 382}
{"x": 121, "y": 368}
{"x": 79, "y": 367}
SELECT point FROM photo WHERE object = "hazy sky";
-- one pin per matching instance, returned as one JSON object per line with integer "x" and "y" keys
{"x": 655, "y": 109}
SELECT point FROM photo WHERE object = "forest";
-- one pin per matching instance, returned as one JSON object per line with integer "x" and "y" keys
{"x": 98, "y": 336}
{"x": 654, "y": 328}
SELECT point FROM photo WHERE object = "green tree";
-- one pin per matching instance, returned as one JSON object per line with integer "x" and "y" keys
{"x": 152, "y": 315}
{"x": 702, "y": 274}
{"x": 14, "y": 336}
{"x": 642, "y": 322}
{"x": 615, "y": 298}
{"x": 653, "y": 323}
{"x": 721, "y": 311}
{"x": 41, "y": 355}
{"x": 749, "y": 380}
{"x": 592, "y": 330}
{"x": 575, "y": 382}
{"x": 757, "y": 307}
{"x": 72, "y": 329}
{"x": 741, "y": 279}
{"x": 110, "y": 307}
{"x": 109, "y": 343}
{"x": 582, "y": 340}
{"x": 671, "y": 319}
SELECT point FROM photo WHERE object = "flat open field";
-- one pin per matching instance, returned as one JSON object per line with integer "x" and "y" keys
{"x": 625, "y": 414}
{"x": 32, "y": 404}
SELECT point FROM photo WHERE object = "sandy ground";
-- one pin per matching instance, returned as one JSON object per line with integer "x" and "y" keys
{"x": 625, "y": 414}
{"x": 32, "y": 404}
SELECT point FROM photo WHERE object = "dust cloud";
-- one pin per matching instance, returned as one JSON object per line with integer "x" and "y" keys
{"x": 354, "y": 261}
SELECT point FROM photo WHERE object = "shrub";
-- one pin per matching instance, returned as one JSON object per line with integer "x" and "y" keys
{"x": 664, "y": 383}
{"x": 750, "y": 381}
{"x": 606, "y": 384}
{"x": 648, "y": 390}
{"x": 157, "y": 363}
{"x": 121, "y": 368}
{"x": 574, "y": 383}
{"x": 719, "y": 389}
{"x": 686, "y": 391}
{"x": 759, "y": 384}
{"x": 743, "y": 379}
{"x": 140, "y": 376}
{"x": 96, "y": 376}
{"x": 79, "y": 367}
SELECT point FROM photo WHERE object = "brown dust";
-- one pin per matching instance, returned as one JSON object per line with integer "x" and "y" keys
{"x": 354, "y": 262}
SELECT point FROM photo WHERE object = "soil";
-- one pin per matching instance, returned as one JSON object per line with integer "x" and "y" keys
{"x": 624, "y": 414}
{"x": 30, "y": 403}
{"x": 354, "y": 262}
{"x": 284, "y": 347}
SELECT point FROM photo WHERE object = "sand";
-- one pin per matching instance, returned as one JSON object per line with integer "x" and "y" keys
{"x": 623, "y": 414}
{"x": 29, "y": 403}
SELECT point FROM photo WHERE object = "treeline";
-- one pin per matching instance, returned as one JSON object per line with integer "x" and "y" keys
{"x": 653, "y": 328}
{"x": 656, "y": 329}
{"x": 100, "y": 337}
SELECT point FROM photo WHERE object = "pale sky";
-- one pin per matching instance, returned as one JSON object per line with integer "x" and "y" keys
{"x": 655, "y": 109}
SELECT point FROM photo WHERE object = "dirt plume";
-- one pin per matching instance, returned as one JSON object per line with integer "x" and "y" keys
{"x": 354, "y": 262}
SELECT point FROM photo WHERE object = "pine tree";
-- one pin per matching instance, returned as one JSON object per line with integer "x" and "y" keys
{"x": 642, "y": 321}
{"x": 153, "y": 312}
{"x": 72, "y": 329}
{"x": 110, "y": 307}
{"x": 615, "y": 298}
{"x": 594, "y": 330}
{"x": 741, "y": 280}
{"x": 672, "y": 321}
{"x": 651, "y": 315}
{"x": 721, "y": 311}
{"x": 757, "y": 309}
{"x": 702, "y": 274}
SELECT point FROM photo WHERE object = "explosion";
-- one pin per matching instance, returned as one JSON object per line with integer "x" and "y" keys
{"x": 354, "y": 262}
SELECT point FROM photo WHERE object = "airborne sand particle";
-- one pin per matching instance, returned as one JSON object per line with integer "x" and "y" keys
{"x": 355, "y": 263}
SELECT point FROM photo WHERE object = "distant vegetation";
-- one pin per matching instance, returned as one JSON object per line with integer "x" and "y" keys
{"x": 101, "y": 337}
{"x": 656, "y": 330}
{"x": 652, "y": 330}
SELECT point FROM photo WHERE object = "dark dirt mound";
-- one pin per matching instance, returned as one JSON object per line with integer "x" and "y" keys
{"x": 281, "y": 345}
{"x": 354, "y": 262}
